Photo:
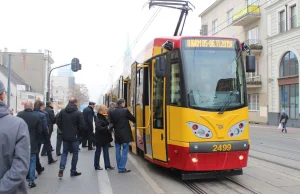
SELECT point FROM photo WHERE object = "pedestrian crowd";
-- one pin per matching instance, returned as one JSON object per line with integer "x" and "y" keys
{"x": 23, "y": 138}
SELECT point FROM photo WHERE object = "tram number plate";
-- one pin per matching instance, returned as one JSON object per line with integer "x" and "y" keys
{"x": 222, "y": 147}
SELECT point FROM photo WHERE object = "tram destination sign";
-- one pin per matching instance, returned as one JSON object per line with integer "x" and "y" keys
{"x": 208, "y": 43}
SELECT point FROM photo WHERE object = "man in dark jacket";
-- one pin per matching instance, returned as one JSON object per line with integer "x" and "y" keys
{"x": 51, "y": 122}
{"x": 35, "y": 129}
{"x": 14, "y": 150}
{"x": 120, "y": 118}
{"x": 88, "y": 115}
{"x": 44, "y": 138}
{"x": 70, "y": 121}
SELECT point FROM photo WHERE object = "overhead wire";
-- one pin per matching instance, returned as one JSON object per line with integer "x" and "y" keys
{"x": 122, "y": 58}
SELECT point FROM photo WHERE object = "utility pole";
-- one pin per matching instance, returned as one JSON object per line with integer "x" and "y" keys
{"x": 48, "y": 80}
{"x": 8, "y": 80}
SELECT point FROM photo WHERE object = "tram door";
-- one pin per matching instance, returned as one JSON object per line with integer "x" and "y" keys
{"x": 159, "y": 139}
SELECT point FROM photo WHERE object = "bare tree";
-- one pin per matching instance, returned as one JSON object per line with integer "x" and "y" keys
{"x": 81, "y": 92}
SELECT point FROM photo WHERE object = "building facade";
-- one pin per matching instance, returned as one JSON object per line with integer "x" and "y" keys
{"x": 283, "y": 60}
{"x": 62, "y": 88}
{"x": 246, "y": 21}
{"x": 65, "y": 71}
{"x": 33, "y": 68}
{"x": 20, "y": 91}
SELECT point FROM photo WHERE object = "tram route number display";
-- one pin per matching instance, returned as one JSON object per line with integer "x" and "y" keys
{"x": 221, "y": 147}
{"x": 207, "y": 43}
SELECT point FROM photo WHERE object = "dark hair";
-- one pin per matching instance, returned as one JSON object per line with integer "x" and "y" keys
{"x": 120, "y": 101}
{"x": 38, "y": 104}
{"x": 48, "y": 103}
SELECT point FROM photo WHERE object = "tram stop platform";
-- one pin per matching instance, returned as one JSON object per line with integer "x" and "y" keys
{"x": 92, "y": 181}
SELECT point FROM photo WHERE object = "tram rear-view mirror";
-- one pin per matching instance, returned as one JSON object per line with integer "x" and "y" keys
{"x": 250, "y": 63}
{"x": 160, "y": 66}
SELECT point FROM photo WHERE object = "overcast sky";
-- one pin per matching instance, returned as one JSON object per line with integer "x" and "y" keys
{"x": 95, "y": 31}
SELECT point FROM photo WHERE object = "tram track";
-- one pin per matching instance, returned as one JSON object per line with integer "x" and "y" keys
{"x": 196, "y": 187}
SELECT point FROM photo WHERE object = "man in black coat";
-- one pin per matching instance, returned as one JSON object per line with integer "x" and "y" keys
{"x": 120, "y": 118}
{"x": 88, "y": 115}
{"x": 35, "y": 129}
{"x": 51, "y": 121}
{"x": 70, "y": 121}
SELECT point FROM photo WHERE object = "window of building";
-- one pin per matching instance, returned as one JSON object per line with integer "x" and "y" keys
{"x": 230, "y": 16}
{"x": 253, "y": 102}
{"x": 282, "y": 21}
{"x": 293, "y": 17}
{"x": 253, "y": 36}
{"x": 252, "y": 2}
{"x": 289, "y": 100}
{"x": 215, "y": 26}
{"x": 175, "y": 85}
{"x": 289, "y": 65}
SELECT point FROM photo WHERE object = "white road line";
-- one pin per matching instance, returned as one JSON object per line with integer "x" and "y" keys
{"x": 103, "y": 180}
{"x": 148, "y": 179}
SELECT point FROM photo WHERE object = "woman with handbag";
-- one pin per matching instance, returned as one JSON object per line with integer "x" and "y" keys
{"x": 103, "y": 138}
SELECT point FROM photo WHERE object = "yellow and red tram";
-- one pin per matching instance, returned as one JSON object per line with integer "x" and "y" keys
{"x": 189, "y": 97}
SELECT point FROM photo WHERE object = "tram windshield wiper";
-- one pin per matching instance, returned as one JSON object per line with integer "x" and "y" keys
{"x": 229, "y": 99}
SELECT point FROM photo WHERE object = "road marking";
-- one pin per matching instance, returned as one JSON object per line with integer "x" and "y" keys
{"x": 103, "y": 181}
{"x": 148, "y": 179}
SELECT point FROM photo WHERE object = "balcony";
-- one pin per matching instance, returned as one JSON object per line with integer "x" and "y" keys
{"x": 255, "y": 45}
{"x": 246, "y": 15}
{"x": 253, "y": 81}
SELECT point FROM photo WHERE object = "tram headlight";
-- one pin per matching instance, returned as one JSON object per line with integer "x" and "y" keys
{"x": 200, "y": 130}
{"x": 237, "y": 129}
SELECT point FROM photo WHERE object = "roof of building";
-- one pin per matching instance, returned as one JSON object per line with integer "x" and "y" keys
{"x": 15, "y": 78}
{"x": 217, "y": 2}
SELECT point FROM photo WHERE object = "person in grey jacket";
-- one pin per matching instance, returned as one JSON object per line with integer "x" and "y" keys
{"x": 14, "y": 150}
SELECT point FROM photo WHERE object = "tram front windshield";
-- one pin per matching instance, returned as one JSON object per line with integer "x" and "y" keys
{"x": 214, "y": 78}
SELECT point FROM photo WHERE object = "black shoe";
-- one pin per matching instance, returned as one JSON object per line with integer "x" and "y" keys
{"x": 75, "y": 173}
{"x": 52, "y": 162}
{"x": 125, "y": 171}
{"x": 110, "y": 146}
{"x": 58, "y": 154}
{"x": 110, "y": 168}
{"x": 40, "y": 171}
{"x": 31, "y": 185}
{"x": 61, "y": 173}
{"x": 91, "y": 149}
{"x": 99, "y": 168}
{"x": 44, "y": 154}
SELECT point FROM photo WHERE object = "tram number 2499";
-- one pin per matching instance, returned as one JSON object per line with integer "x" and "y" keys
{"x": 222, "y": 148}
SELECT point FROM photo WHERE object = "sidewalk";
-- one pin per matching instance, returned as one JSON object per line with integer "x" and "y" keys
{"x": 92, "y": 181}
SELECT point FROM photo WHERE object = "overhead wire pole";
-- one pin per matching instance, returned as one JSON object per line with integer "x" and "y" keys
{"x": 8, "y": 80}
{"x": 184, "y": 6}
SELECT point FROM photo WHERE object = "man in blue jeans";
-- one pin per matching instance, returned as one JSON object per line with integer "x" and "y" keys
{"x": 71, "y": 123}
{"x": 35, "y": 129}
{"x": 120, "y": 117}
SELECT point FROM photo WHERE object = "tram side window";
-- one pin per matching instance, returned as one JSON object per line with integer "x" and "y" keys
{"x": 158, "y": 119}
{"x": 175, "y": 85}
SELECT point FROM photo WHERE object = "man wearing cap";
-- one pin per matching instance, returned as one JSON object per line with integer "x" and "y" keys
{"x": 14, "y": 150}
{"x": 88, "y": 115}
